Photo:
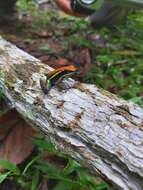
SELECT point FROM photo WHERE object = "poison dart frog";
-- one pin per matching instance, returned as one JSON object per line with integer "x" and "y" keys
{"x": 55, "y": 77}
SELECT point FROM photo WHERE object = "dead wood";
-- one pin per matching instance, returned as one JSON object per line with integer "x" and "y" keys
{"x": 95, "y": 127}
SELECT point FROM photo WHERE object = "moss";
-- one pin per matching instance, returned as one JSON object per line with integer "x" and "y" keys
{"x": 20, "y": 71}
{"x": 1, "y": 74}
{"x": 24, "y": 71}
{"x": 9, "y": 79}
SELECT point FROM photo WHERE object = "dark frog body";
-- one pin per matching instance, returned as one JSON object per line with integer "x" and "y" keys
{"x": 54, "y": 78}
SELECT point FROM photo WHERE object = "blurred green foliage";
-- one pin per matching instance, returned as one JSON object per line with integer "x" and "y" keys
{"x": 117, "y": 66}
{"x": 71, "y": 176}
{"x": 1, "y": 95}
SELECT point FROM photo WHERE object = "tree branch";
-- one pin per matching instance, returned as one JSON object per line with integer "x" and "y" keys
{"x": 95, "y": 127}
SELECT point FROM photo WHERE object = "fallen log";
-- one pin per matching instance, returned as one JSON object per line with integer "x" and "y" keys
{"x": 96, "y": 128}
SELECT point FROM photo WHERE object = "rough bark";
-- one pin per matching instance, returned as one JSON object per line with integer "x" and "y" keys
{"x": 95, "y": 127}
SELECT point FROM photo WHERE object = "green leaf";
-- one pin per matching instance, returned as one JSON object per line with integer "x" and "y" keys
{"x": 9, "y": 166}
{"x": 29, "y": 164}
{"x": 63, "y": 185}
{"x": 45, "y": 145}
{"x": 102, "y": 186}
{"x": 49, "y": 169}
{"x": 35, "y": 180}
{"x": 53, "y": 172}
{"x": 83, "y": 176}
{"x": 1, "y": 95}
{"x": 4, "y": 176}
{"x": 71, "y": 166}
{"x": 137, "y": 100}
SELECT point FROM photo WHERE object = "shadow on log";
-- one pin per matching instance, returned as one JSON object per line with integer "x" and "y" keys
{"x": 96, "y": 128}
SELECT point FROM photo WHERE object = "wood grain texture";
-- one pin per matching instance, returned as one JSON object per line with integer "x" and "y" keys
{"x": 95, "y": 127}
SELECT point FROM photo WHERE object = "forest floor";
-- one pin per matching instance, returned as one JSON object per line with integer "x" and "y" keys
{"x": 109, "y": 58}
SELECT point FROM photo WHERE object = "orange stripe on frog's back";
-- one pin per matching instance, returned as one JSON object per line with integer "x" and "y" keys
{"x": 67, "y": 68}
{"x": 61, "y": 69}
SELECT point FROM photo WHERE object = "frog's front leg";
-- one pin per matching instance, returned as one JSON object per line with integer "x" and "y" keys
{"x": 45, "y": 86}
